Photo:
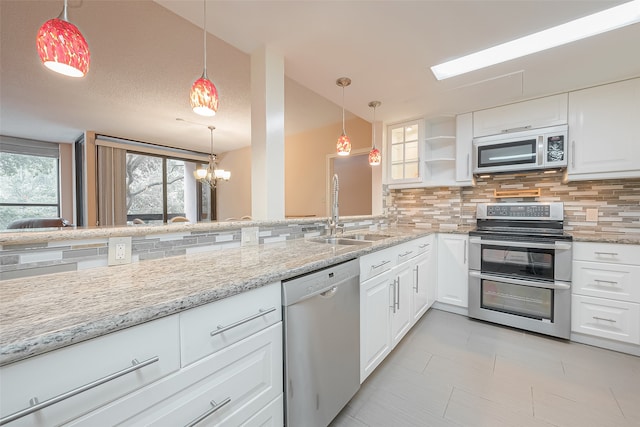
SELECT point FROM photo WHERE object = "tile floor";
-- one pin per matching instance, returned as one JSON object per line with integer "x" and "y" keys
{"x": 453, "y": 371}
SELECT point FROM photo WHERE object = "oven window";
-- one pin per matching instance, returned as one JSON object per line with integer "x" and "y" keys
{"x": 527, "y": 301}
{"x": 515, "y": 261}
{"x": 511, "y": 153}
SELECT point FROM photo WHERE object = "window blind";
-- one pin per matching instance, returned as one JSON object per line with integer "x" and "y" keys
{"x": 143, "y": 147}
{"x": 10, "y": 144}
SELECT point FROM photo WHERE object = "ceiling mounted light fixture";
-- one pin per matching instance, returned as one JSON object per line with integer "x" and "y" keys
{"x": 211, "y": 174}
{"x": 204, "y": 95}
{"x": 591, "y": 25}
{"x": 62, "y": 47}
{"x": 344, "y": 143}
{"x": 374, "y": 155}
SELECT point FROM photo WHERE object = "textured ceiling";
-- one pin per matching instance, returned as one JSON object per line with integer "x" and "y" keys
{"x": 146, "y": 54}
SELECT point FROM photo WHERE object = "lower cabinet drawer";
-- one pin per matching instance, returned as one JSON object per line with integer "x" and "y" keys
{"x": 141, "y": 354}
{"x": 228, "y": 388}
{"x": 207, "y": 329}
{"x": 615, "y": 281}
{"x": 270, "y": 415}
{"x": 616, "y": 320}
{"x": 376, "y": 263}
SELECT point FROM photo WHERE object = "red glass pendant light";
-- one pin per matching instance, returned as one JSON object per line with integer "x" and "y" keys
{"x": 343, "y": 145}
{"x": 374, "y": 155}
{"x": 62, "y": 47}
{"x": 204, "y": 95}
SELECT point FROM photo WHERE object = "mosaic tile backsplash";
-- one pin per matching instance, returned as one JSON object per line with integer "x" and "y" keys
{"x": 617, "y": 202}
{"x": 24, "y": 260}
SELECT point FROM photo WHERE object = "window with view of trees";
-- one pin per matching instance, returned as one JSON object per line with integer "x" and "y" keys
{"x": 160, "y": 188}
{"x": 29, "y": 177}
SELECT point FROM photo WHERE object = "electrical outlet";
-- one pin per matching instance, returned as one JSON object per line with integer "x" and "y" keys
{"x": 592, "y": 215}
{"x": 250, "y": 236}
{"x": 119, "y": 250}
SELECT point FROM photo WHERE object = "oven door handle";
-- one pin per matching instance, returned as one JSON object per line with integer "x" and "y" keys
{"x": 561, "y": 286}
{"x": 558, "y": 246}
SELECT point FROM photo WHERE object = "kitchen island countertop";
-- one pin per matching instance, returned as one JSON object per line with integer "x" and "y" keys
{"x": 47, "y": 312}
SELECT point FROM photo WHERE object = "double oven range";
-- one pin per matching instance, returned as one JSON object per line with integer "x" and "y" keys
{"x": 520, "y": 267}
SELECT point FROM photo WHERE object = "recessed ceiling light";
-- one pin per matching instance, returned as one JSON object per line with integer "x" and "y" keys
{"x": 607, "y": 20}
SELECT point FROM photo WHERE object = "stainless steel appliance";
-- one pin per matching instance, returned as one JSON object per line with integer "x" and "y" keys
{"x": 322, "y": 344}
{"x": 529, "y": 149}
{"x": 520, "y": 267}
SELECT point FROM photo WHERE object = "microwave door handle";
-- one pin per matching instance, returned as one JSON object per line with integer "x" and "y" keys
{"x": 562, "y": 286}
{"x": 540, "y": 149}
{"x": 556, "y": 245}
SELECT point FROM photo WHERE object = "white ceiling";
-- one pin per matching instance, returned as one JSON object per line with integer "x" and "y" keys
{"x": 146, "y": 55}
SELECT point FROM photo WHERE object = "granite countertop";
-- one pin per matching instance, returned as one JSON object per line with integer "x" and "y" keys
{"x": 622, "y": 238}
{"x": 47, "y": 312}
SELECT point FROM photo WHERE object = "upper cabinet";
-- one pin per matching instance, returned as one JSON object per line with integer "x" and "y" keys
{"x": 424, "y": 153}
{"x": 404, "y": 152}
{"x": 535, "y": 113}
{"x": 464, "y": 145}
{"x": 604, "y": 131}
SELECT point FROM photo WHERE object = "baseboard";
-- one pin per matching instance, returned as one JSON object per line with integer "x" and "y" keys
{"x": 451, "y": 308}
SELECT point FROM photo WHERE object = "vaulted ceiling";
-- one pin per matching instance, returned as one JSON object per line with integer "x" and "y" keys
{"x": 146, "y": 54}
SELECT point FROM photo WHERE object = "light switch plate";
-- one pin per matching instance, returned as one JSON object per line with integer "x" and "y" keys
{"x": 592, "y": 215}
{"x": 119, "y": 250}
{"x": 250, "y": 236}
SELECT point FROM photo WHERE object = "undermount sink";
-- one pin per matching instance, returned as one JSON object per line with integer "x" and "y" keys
{"x": 340, "y": 241}
{"x": 369, "y": 237}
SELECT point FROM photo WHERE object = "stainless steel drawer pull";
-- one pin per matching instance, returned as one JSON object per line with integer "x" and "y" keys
{"x": 373, "y": 267}
{"x": 260, "y": 313}
{"x": 36, "y": 406}
{"x": 606, "y": 253}
{"x": 425, "y": 245}
{"x": 405, "y": 254}
{"x": 210, "y": 412}
{"x": 606, "y": 320}
{"x": 417, "y": 286}
{"x": 610, "y": 282}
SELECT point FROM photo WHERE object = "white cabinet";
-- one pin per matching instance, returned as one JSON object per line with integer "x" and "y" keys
{"x": 606, "y": 291}
{"x": 375, "y": 322}
{"x": 535, "y": 113}
{"x": 401, "y": 301}
{"x": 149, "y": 352}
{"x": 392, "y": 301}
{"x": 453, "y": 268}
{"x": 464, "y": 149}
{"x": 229, "y": 387}
{"x": 424, "y": 283}
{"x": 404, "y": 150}
{"x": 425, "y": 153}
{"x": 604, "y": 130}
{"x": 167, "y": 371}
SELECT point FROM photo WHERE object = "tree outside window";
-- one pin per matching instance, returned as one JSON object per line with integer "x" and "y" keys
{"x": 29, "y": 187}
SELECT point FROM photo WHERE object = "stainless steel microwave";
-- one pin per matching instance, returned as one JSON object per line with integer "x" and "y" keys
{"x": 543, "y": 148}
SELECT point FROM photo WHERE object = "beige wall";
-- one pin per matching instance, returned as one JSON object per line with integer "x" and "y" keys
{"x": 306, "y": 164}
{"x": 234, "y": 196}
{"x": 354, "y": 177}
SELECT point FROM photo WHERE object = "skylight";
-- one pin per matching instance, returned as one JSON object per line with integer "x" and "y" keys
{"x": 607, "y": 20}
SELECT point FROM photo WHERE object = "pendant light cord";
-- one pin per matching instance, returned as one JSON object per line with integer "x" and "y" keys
{"x": 205, "y": 41}
{"x": 374, "y": 127}
{"x": 343, "y": 131}
{"x": 64, "y": 15}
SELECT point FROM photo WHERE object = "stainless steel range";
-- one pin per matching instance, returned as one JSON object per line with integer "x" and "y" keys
{"x": 520, "y": 267}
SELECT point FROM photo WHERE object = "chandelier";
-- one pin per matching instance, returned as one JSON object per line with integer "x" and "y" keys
{"x": 211, "y": 174}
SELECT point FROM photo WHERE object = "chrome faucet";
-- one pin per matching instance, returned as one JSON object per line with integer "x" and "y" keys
{"x": 335, "y": 217}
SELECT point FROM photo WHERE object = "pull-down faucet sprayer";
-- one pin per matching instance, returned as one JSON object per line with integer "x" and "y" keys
{"x": 333, "y": 222}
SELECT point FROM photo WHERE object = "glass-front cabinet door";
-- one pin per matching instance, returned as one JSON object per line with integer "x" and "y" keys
{"x": 404, "y": 152}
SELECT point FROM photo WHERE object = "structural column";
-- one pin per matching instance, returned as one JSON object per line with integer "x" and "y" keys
{"x": 267, "y": 135}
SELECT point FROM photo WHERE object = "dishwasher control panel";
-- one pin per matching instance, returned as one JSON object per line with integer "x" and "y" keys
{"x": 310, "y": 284}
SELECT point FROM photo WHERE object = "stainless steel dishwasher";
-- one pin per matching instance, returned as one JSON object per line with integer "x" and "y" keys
{"x": 322, "y": 343}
